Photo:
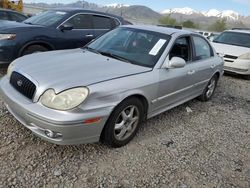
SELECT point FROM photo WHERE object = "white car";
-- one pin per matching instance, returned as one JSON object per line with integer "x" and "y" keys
{"x": 234, "y": 46}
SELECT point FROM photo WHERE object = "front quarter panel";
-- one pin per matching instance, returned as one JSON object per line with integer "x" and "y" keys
{"x": 113, "y": 92}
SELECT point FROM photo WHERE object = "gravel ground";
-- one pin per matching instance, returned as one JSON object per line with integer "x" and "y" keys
{"x": 194, "y": 145}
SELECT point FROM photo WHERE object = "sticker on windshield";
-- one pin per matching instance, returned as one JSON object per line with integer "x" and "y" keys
{"x": 61, "y": 13}
{"x": 157, "y": 47}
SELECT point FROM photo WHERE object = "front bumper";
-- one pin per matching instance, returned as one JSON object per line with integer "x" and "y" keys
{"x": 39, "y": 119}
{"x": 7, "y": 52}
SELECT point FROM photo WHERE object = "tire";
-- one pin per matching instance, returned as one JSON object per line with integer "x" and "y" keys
{"x": 247, "y": 77}
{"x": 34, "y": 49}
{"x": 209, "y": 90}
{"x": 121, "y": 128}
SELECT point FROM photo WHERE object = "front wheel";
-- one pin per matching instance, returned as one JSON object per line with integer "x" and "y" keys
{"x": 123, "y": 123}
{"x": 209, "y": 90}
{"x": 34, "y": 49}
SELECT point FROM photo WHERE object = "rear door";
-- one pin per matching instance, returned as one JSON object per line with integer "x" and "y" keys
{"x": 103, "y": 24}
{"x": 203, "y": 65}
{"x": 81, "y": 34}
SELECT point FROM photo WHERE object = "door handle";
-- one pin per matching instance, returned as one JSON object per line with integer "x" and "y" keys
{"x": 212, "y": 66}
{"x": 191, "y": 72}
{"x": 89, "y": 35}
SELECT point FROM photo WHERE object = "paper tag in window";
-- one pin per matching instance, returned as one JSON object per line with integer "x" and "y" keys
{"x": 157, "y": 47}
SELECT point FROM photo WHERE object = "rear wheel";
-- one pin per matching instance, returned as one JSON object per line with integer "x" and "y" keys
{"x": 209, "y": 90}
{"x": 123, "y": 123}
{"x": 34, "y": 49}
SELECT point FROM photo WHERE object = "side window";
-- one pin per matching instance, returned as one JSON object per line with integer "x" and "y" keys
{"x": 202, "y": 48}
{"x": 181, "y": 49}
{"x": 80, "y": 21}
{"x": 101, "y": 22}
{"x": 4, "y": 15}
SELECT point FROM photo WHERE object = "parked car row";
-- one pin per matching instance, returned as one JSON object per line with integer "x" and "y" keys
{"x": 104, "y": 90}
{"x": 54, "y": 30}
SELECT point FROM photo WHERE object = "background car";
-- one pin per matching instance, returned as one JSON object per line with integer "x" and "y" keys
{"x": 234, "y": 46}
{"x": 54, "y": 30}
{"x": 105, "y": 90}
{"x": 11, "y": 15}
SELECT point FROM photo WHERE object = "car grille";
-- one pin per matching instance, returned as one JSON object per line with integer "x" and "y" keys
{"x": 23, "y": 85}
{"x": 230, "y": 58}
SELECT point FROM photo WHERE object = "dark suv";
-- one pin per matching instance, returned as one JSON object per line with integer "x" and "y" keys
{"x": 54, "y": 30}
{"x": 11, "y": 15}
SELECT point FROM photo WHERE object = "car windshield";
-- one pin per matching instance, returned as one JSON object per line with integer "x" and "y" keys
{"x": 131, "y": 45}
{"x": 47, "y": 18}
{"x": 234, "y": 38}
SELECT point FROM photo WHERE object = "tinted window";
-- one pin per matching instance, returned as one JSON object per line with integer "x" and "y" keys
{"x": 3, "y": 15}
{"x": 202, "y": 48}
{"x": 101, "y": 22}
{"x": 234, "y": 38}
{"x": 81, "y": 21}
{"x": 136, "y": 46}
{"x": 17, "y": 17}
{"x": 47, "y": 18}
{"x": 181, "y": 49}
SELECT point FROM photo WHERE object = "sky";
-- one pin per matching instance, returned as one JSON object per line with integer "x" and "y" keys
{"x": 241, "y": 6}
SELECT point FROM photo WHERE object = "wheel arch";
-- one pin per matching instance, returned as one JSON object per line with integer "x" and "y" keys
{"x": 31, "y": 43}
{"x": 140, "y": 97}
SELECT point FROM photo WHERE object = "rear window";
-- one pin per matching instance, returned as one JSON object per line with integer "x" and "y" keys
{"x": 234, "y": 38}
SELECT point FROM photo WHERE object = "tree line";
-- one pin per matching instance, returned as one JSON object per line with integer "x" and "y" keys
{"x": 218, "y": 26}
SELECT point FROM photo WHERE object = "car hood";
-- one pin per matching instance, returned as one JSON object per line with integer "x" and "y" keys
{"x": 226, "y": 49}
{"x": 14, "y": 26}
{"x": 72, "y": 68}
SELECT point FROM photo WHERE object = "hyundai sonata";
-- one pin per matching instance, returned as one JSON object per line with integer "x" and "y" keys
{"x": 106, "y": 89}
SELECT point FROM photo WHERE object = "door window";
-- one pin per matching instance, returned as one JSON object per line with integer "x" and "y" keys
{"x": 181, "y": 49}
{"x": 202, "y": 48}
{"x": 81, "y": 21}
{"x": 101, "y": 22}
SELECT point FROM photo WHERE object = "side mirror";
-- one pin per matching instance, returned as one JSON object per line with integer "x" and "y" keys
{"x": 177, "y": 62}
{"x": 66, "y": 27}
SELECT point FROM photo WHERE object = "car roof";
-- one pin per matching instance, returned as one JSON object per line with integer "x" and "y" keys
{"x": 240, "y": 31}
{"x": 80, "y": 10}
{"x": 159, "y": 29}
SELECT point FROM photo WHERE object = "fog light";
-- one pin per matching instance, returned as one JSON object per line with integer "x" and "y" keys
{"x": 52, "y": 134}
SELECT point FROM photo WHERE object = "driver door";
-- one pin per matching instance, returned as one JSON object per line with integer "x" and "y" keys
{"x": 81, "y": 34}
{"x": 176, "y": 84}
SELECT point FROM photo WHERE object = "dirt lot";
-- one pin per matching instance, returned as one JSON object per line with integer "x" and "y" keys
{"x": 208, "y": 147}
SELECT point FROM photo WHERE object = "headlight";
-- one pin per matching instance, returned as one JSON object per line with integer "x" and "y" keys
{"x": 7, "y": 36}
{"x": 10, "y": 69}
{"x": 66, "y": 100}
{"x": 245, "y": 56}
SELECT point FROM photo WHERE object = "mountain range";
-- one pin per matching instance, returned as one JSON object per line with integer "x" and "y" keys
{"x": 145, "y": 15}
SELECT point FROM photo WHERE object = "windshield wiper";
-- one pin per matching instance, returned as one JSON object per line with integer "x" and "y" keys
{"x": 115, "y": 57}
{"x": 92, "y": 50}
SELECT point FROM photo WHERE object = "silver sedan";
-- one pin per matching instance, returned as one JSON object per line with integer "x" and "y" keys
{"x": 106, "y": 89}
